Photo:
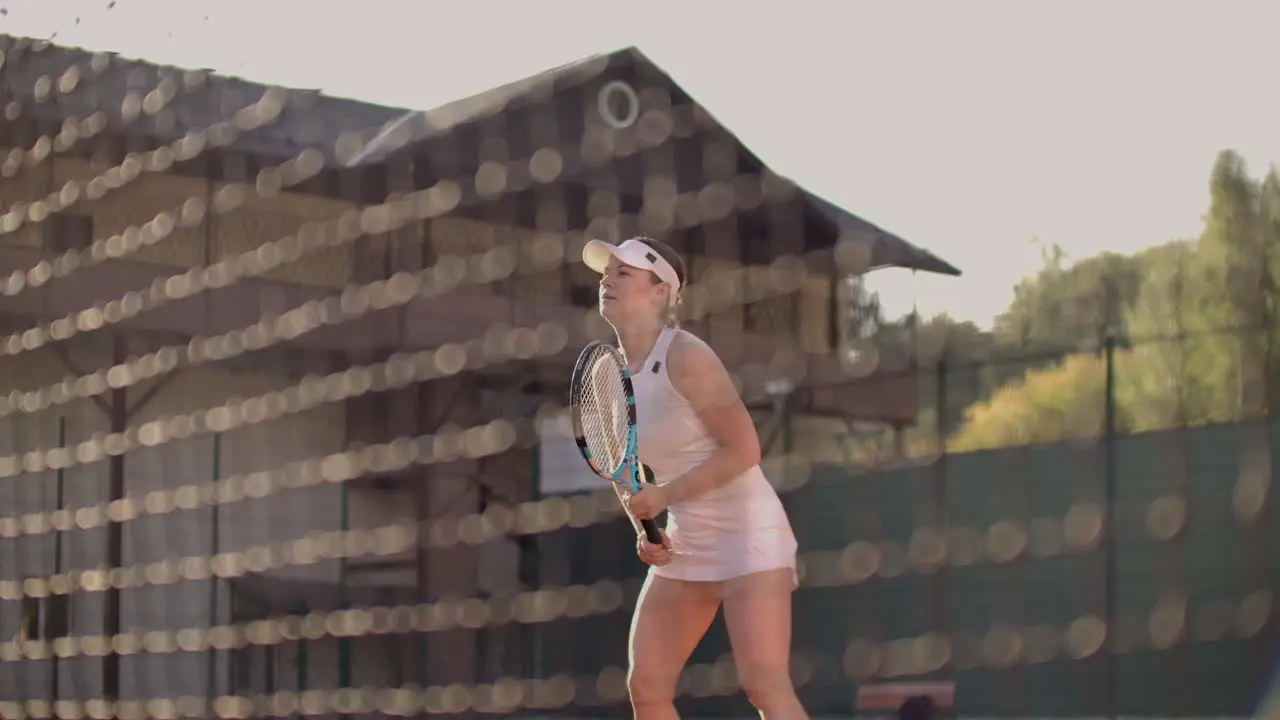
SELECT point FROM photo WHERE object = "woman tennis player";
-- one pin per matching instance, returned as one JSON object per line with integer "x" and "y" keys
{"x": 728, "y": 540}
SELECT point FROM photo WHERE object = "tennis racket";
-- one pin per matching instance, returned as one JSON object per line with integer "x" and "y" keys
{"x": 602, "y": 406}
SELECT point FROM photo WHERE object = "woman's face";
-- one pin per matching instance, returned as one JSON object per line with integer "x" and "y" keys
{"x": 628, "y": 294}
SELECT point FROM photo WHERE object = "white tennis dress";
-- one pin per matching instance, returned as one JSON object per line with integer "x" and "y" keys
{"x": 733, "y": 530}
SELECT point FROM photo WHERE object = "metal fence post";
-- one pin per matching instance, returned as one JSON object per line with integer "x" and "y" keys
{"x": 1112, "y": 518}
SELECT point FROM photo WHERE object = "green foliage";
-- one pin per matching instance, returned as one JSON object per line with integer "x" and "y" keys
{"x": 1064, "y": 401}
{"x": 1063, "y": 308}
{"x": 1155, "y": 327}
{"x": 1194, "y": 319}
{"x": 1216, "y": 302}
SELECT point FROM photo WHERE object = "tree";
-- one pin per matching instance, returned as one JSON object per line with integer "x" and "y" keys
{"x": 1064, "y": 307}
{"x": 1198, "y": 318}
{"x": 962, "y": 351}
{"x": 1155, "y": 387}
{"x": 1269, "y": 219}
{"x": 1210, "y": 303}
{"x": 1065, "y": 401}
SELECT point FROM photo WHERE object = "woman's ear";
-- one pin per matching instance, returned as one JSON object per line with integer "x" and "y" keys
{"x": 664, "y": 294}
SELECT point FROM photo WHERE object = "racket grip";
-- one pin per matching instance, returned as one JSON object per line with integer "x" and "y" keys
{"x": 650, "y": 526}
{"x": 651, "y": 532}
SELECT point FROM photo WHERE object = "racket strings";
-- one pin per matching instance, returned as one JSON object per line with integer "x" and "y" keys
{"x": 604, "y": 414}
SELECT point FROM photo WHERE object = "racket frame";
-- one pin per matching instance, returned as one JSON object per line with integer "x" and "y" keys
{"x": 631, "y": 474}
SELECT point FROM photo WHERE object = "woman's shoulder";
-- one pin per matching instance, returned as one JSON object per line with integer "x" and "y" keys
{"x": 693, "y": 365}
{"x": 685, "y": 344}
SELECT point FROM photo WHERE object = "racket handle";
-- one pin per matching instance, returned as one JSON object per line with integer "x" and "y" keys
{"x": 651, "y": 532}
{"x": 650, "y": 526}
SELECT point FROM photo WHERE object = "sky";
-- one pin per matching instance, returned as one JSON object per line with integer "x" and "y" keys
{"x": 977, "y": 129}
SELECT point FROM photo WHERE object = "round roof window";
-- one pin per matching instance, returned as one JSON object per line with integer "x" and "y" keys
{"x": 619, "y": 105}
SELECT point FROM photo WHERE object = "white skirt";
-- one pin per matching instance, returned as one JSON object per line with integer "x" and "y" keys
{"x": 736, "y": 530}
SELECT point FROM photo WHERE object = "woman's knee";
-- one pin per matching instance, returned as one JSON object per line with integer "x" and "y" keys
{"x": 768, "y": 688}
{"x": 646, "y": 686}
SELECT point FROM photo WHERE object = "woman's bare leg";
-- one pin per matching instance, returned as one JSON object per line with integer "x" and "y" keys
{"x": 757, "y": 612}
{"x": 671, "y": 617}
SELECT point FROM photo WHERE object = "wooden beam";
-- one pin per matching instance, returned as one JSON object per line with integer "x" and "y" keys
{"x": 74, "y": 367}
{"x": 152, "y": 392}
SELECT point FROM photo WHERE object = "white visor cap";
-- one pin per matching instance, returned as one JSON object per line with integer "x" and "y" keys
{"x": 635, "y": 253}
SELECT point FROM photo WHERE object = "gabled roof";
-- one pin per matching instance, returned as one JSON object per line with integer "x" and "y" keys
{"x": 412, "y": 127}
{"x": 887, "y": 249}
{"x": 51, "y": 82}
{"x": 36, "y": 79}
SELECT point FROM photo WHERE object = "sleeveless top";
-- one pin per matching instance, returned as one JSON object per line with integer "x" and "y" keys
{"x": 735, "y": 529}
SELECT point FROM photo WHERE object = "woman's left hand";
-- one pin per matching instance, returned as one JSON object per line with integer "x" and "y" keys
{"x": 649, "y": 502}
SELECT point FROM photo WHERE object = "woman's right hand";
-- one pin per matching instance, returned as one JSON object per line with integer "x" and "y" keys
{"x": 656, "y": 555}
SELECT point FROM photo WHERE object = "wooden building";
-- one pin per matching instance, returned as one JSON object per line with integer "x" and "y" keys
{"x": 184, "y": 205}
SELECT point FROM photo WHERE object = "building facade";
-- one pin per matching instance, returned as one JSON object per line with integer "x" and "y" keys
{"x": 222, "y": 295}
